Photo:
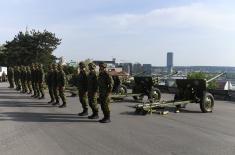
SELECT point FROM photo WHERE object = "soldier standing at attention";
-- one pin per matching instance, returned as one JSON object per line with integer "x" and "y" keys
{"x": 105, "y": 84}
{"x": 49, "y": 81}
{"x": 16, "y": 76}
{"x": 19, "y": 78}
{"x": 61, "y": 82}
{"x": 23, "y": 79}
{"x": 33, "y": 79}
{"x": 10, "y": 75}
{"x": 55, "y": 84}
{"x": 41, "y": 77}
{"x": 37, "y": 81}
{"x": 82, "y": 88}
{"x": 92, "y": 91}
{"x": 28, "y": 79}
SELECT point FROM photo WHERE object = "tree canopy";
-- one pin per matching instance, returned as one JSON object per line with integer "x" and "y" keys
{"x": 29, "y": 47}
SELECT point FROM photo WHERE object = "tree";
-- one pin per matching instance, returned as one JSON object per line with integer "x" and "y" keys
{"x": 30, "y": 47}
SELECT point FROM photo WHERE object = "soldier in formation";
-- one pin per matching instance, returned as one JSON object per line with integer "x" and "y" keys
{"x": 30, "y": 80}
{"x": 33, "y": 79}
{"x": 10, "y": 75}
{"x": 105, "y": 84}
{"x": 40, "y": 80}
{"x": 61, "y": 82}
{"x": 54, "y": 84}
{"x": 82, "y": 88}
{"x": 49, "y": 82}
{"x": 17, "y": 77}
{"x": 92, "y": 89}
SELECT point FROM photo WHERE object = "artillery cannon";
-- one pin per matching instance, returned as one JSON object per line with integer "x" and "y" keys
{"x": 143, "y": 86}
{"x": 188, "y": 91}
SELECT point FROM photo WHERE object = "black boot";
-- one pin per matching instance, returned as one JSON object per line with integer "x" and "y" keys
{"x": 106, "y": 119}
{"x": 83, "y": 113}
{"x": 94, "y": 116}
{"x": 63, "y": 105}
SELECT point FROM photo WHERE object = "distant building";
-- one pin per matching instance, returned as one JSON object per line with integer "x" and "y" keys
{"x": 109, "y": 63}
{"x": 147, "y": 69}
{"x": 169, "y": 62}
{"x": 137, "y": 68}
{"x": 158, "y": 69}
{"x": 126, "y": 67}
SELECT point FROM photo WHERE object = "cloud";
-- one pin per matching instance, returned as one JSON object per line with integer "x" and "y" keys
{"x": 196, "y": 15}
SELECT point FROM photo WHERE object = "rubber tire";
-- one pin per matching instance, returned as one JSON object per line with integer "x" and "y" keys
{"x": 124, "y": 89}
{"x": 158, "y": 92}
{"x": 208, "y": 97}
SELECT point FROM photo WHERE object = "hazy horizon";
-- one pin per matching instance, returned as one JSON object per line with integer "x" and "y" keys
{"x": 198, "y": 32}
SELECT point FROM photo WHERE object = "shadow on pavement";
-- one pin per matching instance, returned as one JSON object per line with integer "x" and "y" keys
{"x": 42, "y": 117}
{"x": 14, "y": 97}
{"x": 23, "y": 104}
{"x": 8, "y": 92}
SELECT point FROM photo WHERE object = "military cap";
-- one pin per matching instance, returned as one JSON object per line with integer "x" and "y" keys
{"x": 92, "y": 65}
{"x": 102, "y": 64}
{"x": 82, "y": 64}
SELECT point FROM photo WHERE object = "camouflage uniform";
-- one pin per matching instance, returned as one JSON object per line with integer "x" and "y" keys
{"x": 82, "y": 88}
{"x": 49, "y": 81}
{"x": 61, "y": 82}
{"x": 17, "y": 78}
{"x": 28, "y": 79}
{"x": 92, "y": 91}
{"x": 33, "y": 80}
{"x": 105, "y": 84}
{"x": 23, "y": 78}
{"x": 10, "y": 75}
{"x": 54, "y": 84}
{"x": 40, "y": 80}
{"x": 36, "y": 77}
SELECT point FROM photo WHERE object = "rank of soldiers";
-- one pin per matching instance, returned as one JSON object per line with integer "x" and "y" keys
{"x": 31, "y": 79}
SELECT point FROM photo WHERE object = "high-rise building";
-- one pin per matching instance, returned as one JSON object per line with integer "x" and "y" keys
{"x": 169, "y": 62}
{"x": 137, "y": 68}
{"x": 147, "y": 68}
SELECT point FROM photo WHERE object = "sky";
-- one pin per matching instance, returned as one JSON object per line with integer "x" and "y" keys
{"x": 198, "y": 32}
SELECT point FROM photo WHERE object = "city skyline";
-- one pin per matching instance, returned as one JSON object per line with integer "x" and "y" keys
{"x": 198, "y": 32}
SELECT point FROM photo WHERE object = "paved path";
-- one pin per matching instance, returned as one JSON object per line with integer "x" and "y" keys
{"x": 32, "y": 127}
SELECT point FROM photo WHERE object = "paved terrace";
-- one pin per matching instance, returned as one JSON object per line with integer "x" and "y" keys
{"x": 33, "y": 127}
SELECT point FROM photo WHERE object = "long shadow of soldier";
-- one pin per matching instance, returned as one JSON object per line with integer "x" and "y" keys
{"x": 42, "y": 117}
{"x": 23, "y": 104}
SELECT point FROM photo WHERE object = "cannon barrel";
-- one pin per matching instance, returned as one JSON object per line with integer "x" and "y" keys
{"x": 211, "y": 79}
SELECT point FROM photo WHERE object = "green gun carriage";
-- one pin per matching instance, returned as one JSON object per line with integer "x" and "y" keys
{"x": 142, "y": 86}
{"x": 188, "y": 91}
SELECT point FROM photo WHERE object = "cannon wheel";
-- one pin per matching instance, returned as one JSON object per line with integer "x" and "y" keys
{"x": 156, "y": 94}
{"x": 122, "y": 90}
{"x": 207, "y": 103}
